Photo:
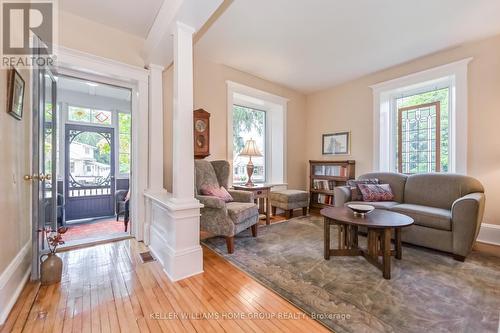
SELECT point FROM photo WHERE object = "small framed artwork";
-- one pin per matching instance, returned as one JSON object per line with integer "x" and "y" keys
{"x": 15, "y": 94}
{"x": 337, "y": 143}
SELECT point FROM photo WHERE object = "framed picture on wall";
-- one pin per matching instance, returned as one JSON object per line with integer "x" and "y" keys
{"x": 337, "y": 143}
{"x": 15, "y": 94}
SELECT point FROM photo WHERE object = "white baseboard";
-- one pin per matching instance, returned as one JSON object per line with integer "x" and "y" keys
{"x": 489, "y": 234}
{"x": 13, "y": 279}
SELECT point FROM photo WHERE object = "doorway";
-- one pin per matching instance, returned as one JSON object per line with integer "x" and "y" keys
{"x": 89, "y": 172}
{"x": 93, "y": 156}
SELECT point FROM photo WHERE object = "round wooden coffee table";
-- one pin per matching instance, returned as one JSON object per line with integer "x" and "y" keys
{"x": 379, "y": 224}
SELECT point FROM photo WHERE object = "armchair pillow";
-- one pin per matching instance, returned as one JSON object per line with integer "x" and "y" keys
{"x": 355, "y": 192}
{"x": 376, "y": 192}
{"x": 216, "y": 191}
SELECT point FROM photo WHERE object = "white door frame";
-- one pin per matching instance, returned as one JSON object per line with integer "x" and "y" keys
{"x": 92, "y": 67}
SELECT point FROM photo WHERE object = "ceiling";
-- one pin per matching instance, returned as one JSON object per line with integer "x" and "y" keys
{"x": 90, "y": 88}
{"x": 315, "y": 44}
{"x": 133, "y": 16}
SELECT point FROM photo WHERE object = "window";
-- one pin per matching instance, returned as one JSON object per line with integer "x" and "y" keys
{"x": 84, "y": 115}
{"x": 261, "y": 116}
{"x": 124, "y": 131}
{"x": 420, "y": 121}
{"x": 248, "y": 123}
{"x": 423, "y": 132}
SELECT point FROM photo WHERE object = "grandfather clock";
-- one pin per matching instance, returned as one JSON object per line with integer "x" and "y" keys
{"x": 201, "y": 131}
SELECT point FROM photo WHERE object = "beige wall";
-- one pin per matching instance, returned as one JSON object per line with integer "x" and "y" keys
{"x": 15, "y": 197}
{"x": 210, "y": 93}
{"x": 78, "y": 33}
{"x": 349, "y": 107}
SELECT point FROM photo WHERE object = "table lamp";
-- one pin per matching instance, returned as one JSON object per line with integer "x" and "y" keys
{"x": 250, "y": 150}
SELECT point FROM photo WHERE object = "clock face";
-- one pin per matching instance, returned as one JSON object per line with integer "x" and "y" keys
{"x": 200, "y": 125}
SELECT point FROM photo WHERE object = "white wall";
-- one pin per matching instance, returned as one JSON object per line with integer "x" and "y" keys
{"x": 15, "y": 198}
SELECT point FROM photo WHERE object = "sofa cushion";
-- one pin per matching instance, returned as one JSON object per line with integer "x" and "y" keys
{"x": 289, "y": 196}
{"x": 431, "y": 217}
{"x": 439, "y": 189}
{"x": 355, "y": 192}
{"x": 378, "y": 204}
{"x": 397, "y": 182}
{"x": 217, "y": 191}
{"x": 376, "y": 192}
{"x": 240, "y": 211}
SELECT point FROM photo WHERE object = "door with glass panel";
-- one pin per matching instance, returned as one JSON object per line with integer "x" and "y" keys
{"x": 46, "y": 211}
{"x": 89, "y": 172}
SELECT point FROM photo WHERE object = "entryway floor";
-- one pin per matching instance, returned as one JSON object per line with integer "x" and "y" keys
{"x": 92, "y": 231}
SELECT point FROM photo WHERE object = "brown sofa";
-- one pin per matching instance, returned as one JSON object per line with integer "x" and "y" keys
{"x": 447, "y": 208}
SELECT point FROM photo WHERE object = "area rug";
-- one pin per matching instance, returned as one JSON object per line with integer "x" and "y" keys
{"x": 428, "y": 292}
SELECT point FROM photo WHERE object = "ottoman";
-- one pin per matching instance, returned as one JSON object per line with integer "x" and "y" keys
{"x": 288, "y": 200}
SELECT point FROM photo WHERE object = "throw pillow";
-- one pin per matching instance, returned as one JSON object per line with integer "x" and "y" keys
{"x": 376, "y": 192}
{"x": 215, "y": 191}
{"x": 355, "y": 192}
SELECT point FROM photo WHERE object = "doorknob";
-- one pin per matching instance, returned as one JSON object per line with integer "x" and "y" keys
{"x": 30, "y": 177}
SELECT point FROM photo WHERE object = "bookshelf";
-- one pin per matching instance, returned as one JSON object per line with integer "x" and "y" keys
{"x": 324, "y": 176}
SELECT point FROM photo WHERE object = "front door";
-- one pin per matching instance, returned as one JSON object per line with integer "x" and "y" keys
{"x": 89, "y": 172}
{"x": 46, "y": 206}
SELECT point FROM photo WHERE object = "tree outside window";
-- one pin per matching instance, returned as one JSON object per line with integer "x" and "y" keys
{"x": 418, "y": 130}
{"x": 124, "y": 130}
{"x": 248, "y": 124}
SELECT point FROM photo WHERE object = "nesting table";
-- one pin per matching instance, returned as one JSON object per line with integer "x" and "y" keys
{"x": 379, "y": 223}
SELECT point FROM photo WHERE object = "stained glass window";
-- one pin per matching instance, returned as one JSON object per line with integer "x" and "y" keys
{"x": 419, "y": 138}
{"x": 85, "y": 115}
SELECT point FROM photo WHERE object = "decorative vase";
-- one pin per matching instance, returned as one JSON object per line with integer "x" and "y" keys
{"x": 50, "y": 269}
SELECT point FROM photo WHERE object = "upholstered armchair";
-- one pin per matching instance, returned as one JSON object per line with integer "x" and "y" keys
{"x": 122, "y": 206}
{"x": 221, "y": 218}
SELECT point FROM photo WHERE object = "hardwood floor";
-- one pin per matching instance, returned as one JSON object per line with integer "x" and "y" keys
{"x": 106, "y": 288}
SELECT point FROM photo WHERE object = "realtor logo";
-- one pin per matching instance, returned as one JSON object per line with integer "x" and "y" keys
{"x": 28, "y": 31}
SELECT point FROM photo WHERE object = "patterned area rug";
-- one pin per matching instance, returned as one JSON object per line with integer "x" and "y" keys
{"x": 429, "y": 291}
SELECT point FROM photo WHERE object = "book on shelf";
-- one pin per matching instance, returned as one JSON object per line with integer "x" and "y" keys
{"x": 330, "y": 170}
{"x": 325, "y": 199}
{"x": 323, "y": 184}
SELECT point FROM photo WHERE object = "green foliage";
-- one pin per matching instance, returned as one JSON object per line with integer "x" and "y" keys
{"x": 441, "y": 95}
{"x": 103, "y": 152}
{"x": 124, "y": 128}
{"x": 245, "y": 120}
{"x": 124, "y": 163}
{"x": 124, "y": 123}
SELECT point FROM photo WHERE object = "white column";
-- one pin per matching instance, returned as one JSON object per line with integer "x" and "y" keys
{"x": 156, "y": 139}
{"x": 183, "y": 151}
{"x": 175, "y": 217}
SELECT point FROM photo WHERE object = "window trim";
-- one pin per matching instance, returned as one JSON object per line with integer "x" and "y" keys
{"x": 455, "y": 74}
{"x": 276, "y": 110}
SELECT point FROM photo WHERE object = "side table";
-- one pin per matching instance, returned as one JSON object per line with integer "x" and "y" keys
{"x": 261, "y": 194}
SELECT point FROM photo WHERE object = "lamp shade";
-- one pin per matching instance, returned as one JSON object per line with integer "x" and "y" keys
{"x": 250, "y": 149}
